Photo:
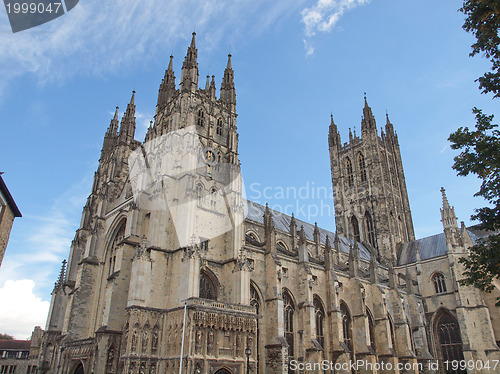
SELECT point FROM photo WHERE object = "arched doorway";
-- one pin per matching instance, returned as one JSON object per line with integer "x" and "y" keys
{"x": 223, "y": 371}
{"x": 449, "y": 341}
{"x": 79, "y": 369}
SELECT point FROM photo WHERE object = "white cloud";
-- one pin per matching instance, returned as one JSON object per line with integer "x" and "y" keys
{"x": 325, "y": 14}
{"x": 44, "y": 241}
{"x": 20, "y": 309}
{"x": 99, "y": 37}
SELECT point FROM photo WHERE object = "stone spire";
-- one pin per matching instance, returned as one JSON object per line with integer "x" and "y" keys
{"x": 268, "y": 219}
{"x": 368, "y": 121}
{"x": 167, "y": 86}
{"x": 227, "y": 91}
{"x": 60, "y": 281}
{"x": 212, "y": 87}
{"x": 127, "y": 126}
{"x": 448, "y": 213}
{"x": 189, "y": 76}
{"x": 316, "y": 234}
{"x": 113, "y": 126}
{"x": 389, "y": 128}
{"x": 333, "y": 136}
{"x": 110, "y": 136}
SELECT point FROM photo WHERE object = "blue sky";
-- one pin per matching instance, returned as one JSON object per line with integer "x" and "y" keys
{"x": 295, "y": 62}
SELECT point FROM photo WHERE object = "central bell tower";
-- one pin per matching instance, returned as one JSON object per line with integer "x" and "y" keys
{"x": 369, "y": 188}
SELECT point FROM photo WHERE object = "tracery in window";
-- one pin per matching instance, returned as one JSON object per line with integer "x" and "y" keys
{"x": 319, "y": 313}
{"x": 208, "y": 289}
{"x": 288, "y": 310}
{"x": 219, "y": 126}
{"x": 350, "y": 175}
{"x": 362, "y": 167}
{"x": 439, "y": 283}
{"x": 355, "y": 229}
{"x": 346, "y": 325}
{"x": 201, "y": 118}
{"x": 370, "y": 233}
{"x": 120, "y": 233}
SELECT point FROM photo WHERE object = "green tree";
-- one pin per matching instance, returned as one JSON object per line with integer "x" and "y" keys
{"x": 480, "y": 147}
{"x": 483, "y": 20}
{"x": 6, "y": 337}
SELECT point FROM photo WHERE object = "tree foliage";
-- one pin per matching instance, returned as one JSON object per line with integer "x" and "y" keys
{"x": 483, "y": 20}
{"x": 6, "y": 337}
{"x": 480, "y": 147}
{"x": 481, "y": 156}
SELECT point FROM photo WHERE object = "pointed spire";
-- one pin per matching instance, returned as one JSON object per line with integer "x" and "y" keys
{"x": 268, "y": 218}
{"x": 127, "y": 126}
{"x": 302, "y": 236}
{"x": 227, "y": 91}
{"x": 167, "y": 86}
{"x": 171, "y": 64}
{"x": 328, "y": 246}
{"x": 448, "y": 216}
{"x": 207, "y": 84}
{"x": 368, "y": 121}
{"x": 189, "y": 76}
{"x": 316, "y": 234}
{"x": 60, "y": 281}
{"x": 293, "y": 226}
{"x": 389, "y": 128}
{"x": 113, "y": 126}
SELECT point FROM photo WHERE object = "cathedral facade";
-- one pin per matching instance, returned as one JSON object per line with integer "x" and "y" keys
{"x": 152, "y": 285}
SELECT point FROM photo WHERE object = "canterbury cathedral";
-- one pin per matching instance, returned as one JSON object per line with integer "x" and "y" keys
{"x": 172, "y": 270}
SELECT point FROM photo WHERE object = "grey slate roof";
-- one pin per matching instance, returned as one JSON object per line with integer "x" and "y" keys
{"x": 429, "y": 247}
{"x": 282, "y": 222}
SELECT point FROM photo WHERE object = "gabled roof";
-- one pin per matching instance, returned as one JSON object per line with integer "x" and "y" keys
{"x": 15, "y": 344}
{"x": 10, "y": 200}
{"x": 282, "y": 222}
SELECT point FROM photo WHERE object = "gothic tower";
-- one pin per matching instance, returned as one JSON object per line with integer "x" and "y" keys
{"x": 371, "y": 202}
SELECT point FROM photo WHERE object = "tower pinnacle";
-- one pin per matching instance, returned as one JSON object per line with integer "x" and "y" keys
{"x": 189, "y": 76}
{"x": 127, "y": 126}
{"x": 227, "y": 91}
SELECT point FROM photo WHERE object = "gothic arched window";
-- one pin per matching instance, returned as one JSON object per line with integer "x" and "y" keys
{"x": 355, "y": 228}
{"x": 319, "y": 313}
{"x": 449, "y": 339}
{"x": 362, "y": 167}
{"x": 370, "y": 233}
{"x": 208, "y": 290}
{"x": 288, "y": 310}
{"x": 350, "y": 175}
{"x": 391, "y": 332}
{"x": 439, "y": 283}
{"x": 201, "y": 118}
{"x": 371, "y": 329}
{"x": 199, "y": 193}
{"x": 120, "y": 233}
{"x": 219, "y": 126}
{"x": 346, "y": 325}
{"x": 213, "y": 198}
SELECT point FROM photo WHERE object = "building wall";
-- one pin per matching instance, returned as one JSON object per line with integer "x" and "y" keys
{"x": 6, "y": 221}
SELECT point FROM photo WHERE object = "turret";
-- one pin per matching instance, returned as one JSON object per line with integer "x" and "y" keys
{"x": 110, "y": 136}
{"x": 333, "y": 136}
{"x": 227, "y": 91}
{"x": 127, "y": 126}
{"x": 189, "y": 76}
{"x": 368, "y": 124}
{"x": 167, "y": 86}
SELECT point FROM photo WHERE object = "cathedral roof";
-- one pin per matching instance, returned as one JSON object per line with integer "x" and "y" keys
{"x": 282, "y": 222}
{"x": 432, "y": 246}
